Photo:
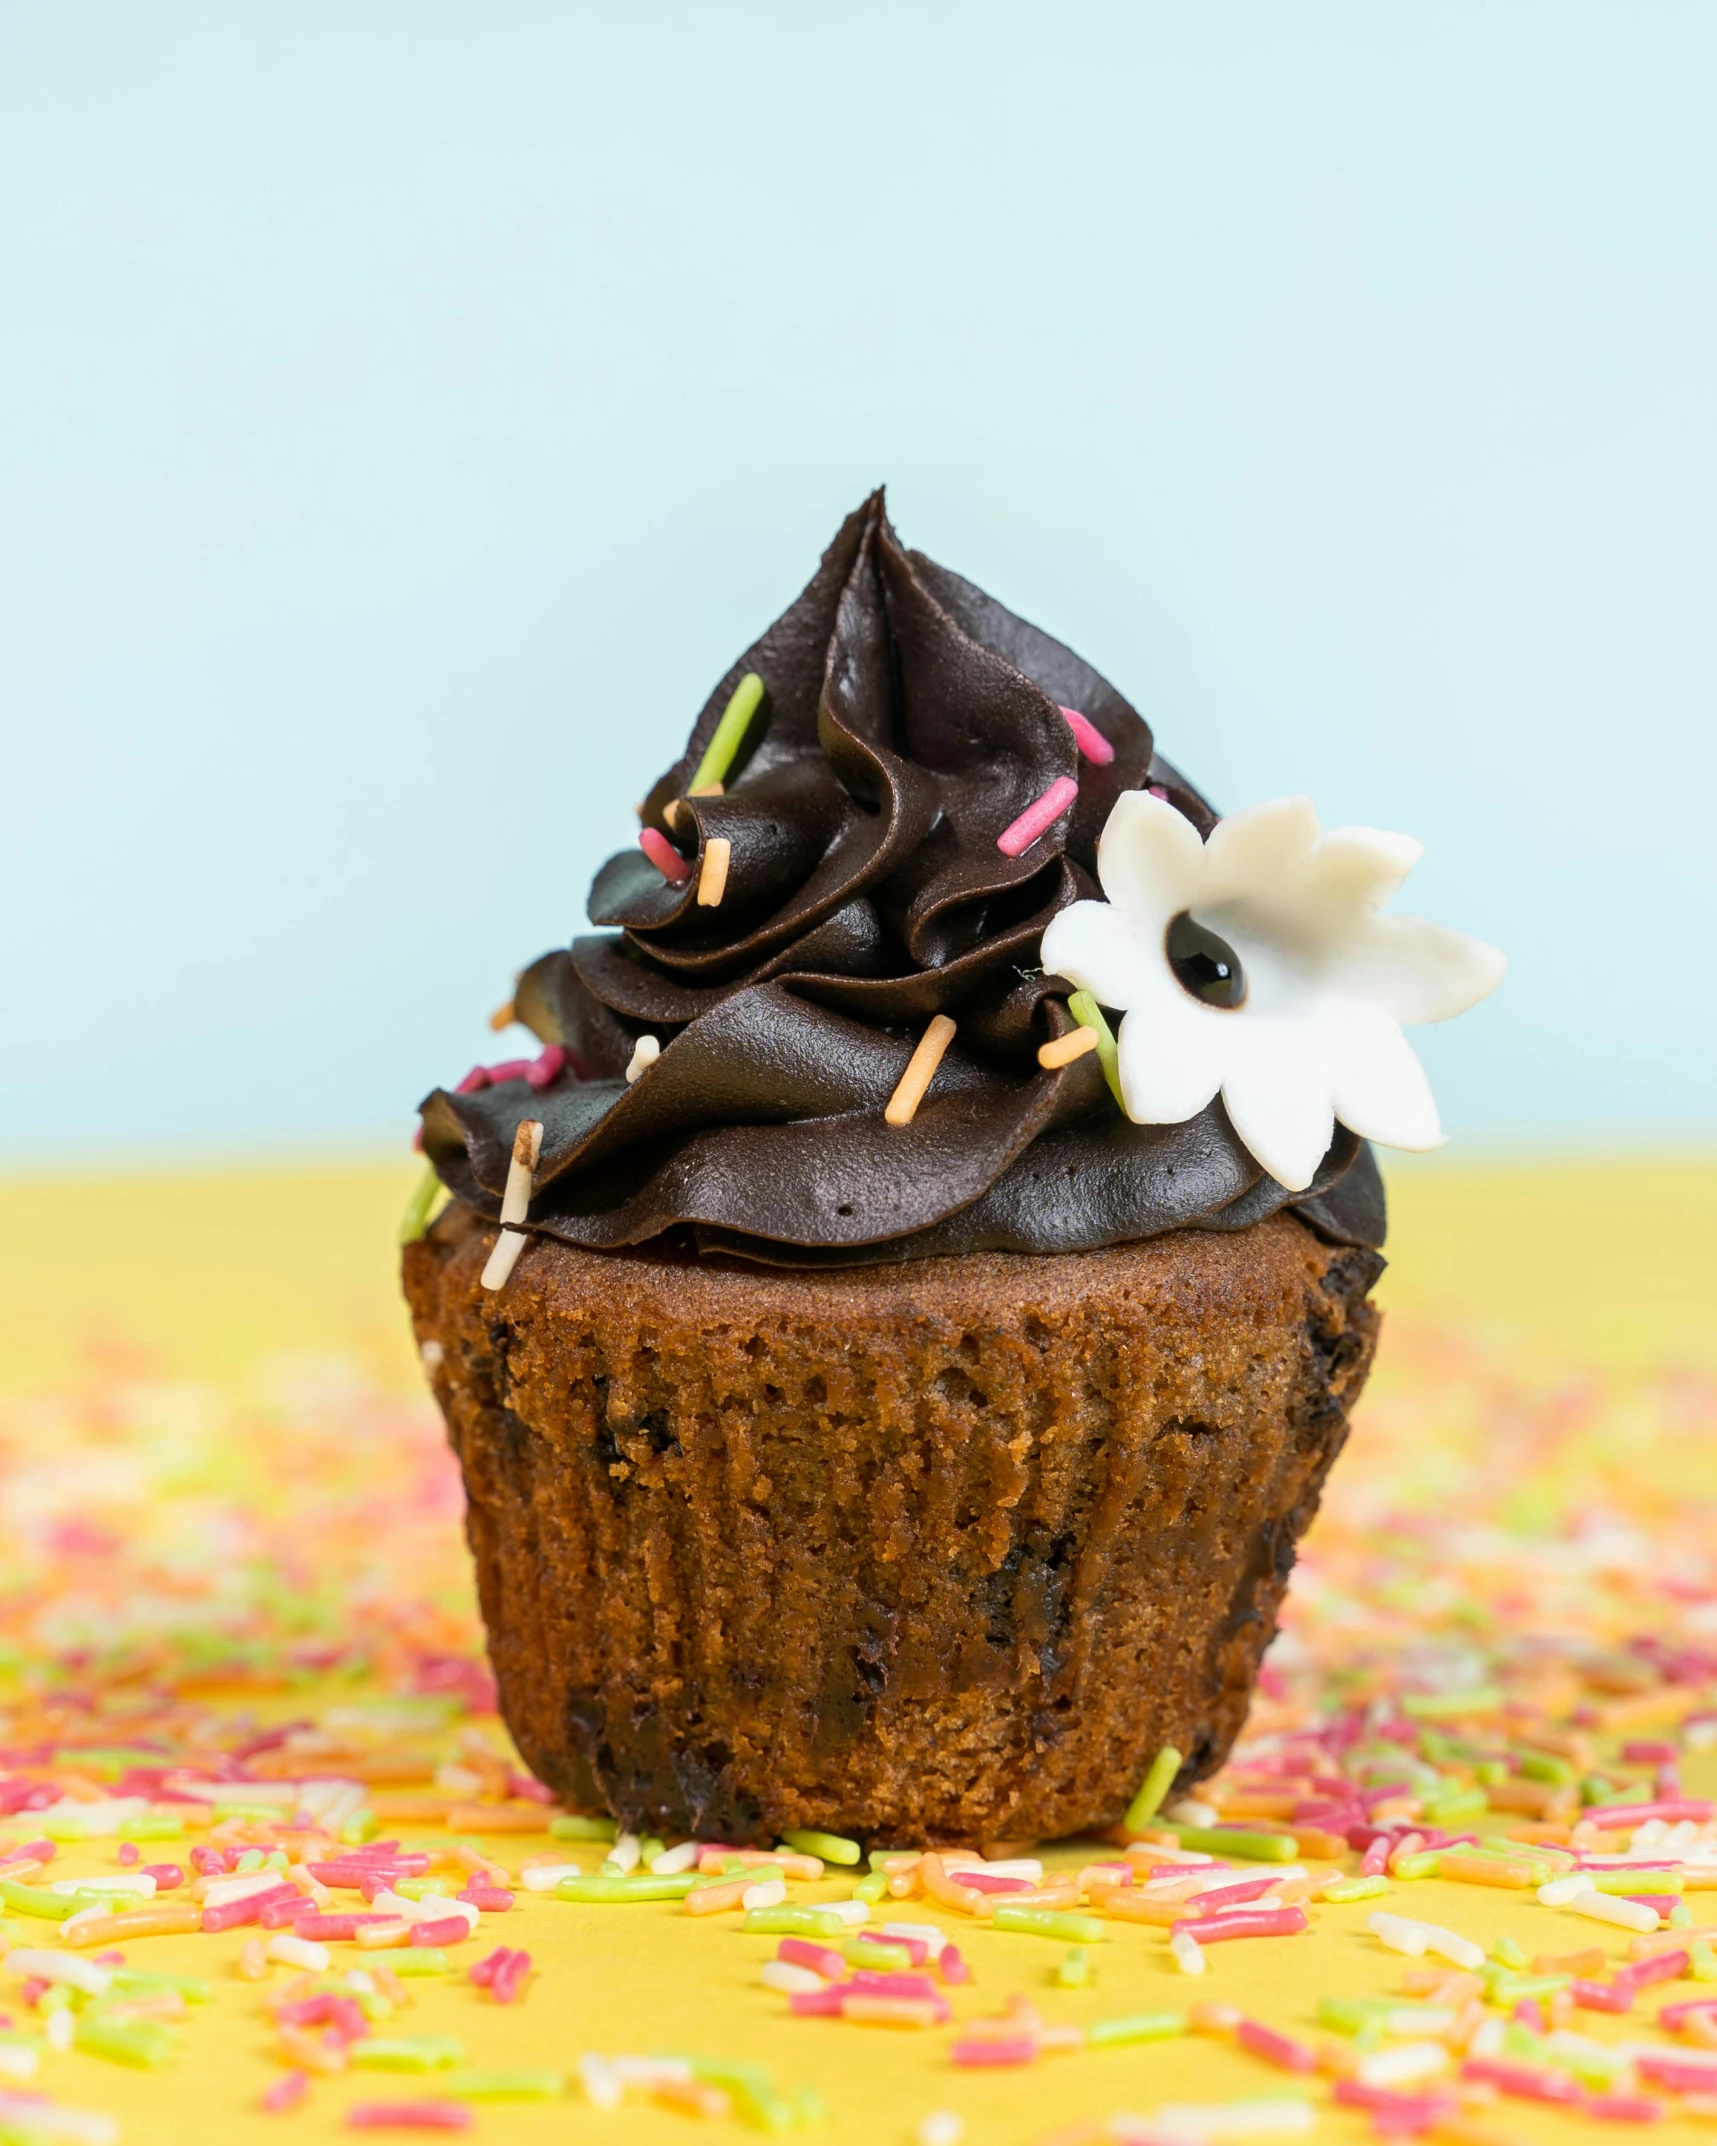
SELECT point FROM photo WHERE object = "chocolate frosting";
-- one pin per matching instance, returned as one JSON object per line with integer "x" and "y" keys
{"x": 908, "y": 719}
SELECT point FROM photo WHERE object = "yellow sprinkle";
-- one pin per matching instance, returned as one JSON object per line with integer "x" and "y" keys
{"x": 503, "y": 1017}
{"x": 712, "y": 880}
{"x": 920, "y": 1071}
{"x": 1065, "y": 1049}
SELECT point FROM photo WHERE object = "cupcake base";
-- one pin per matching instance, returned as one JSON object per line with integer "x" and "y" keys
{"x": 943, "y": 1551}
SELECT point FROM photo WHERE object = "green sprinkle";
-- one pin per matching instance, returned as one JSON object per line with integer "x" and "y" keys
{"x": 1509, "y": 1989}
{"x": 573, "y": 1825}
{"x": 756, "y": 2098}
{"x": 37, "y": 1900}
{"x": 1086, "y": 1011}
{"x": 1074, "y": 1972}
{"x": 1680, "y": 1916}
{"x": 136, "y": 1981}
{"x": 420, "y": 1207}
{"x": 1509, "y": 1953}
{"x": 1422, "y": 1865}
{"x": 1135, "y": 2027}
{"x": 876, "y": 1953}
{"x": 1456, "y": 1803}
{"x": 417, "y": 1960}
{"x": 795, "y": 1922}
{"x": 1449, "y": 1705}
{"x": 407, "y": 2052}
{"x": 729, "y": 734}
{"x": 1491, "y": 1773}
{"x": 874, "y": 1887}
{"x": 1547, "y": 1767}
{"x": 496, "y": 2085}
{"x": 649, "y": 1848}
{"x": 879, "y": 1856}
{"x": 141, "y": 2042}
{"x": 1052, "y": 1922}
{"x": 1701, "y": 1962}
{"x": 636, "y": 1885}
{"x": 1236, "y": 1840}
{"x": 830, "y": 1847}
{"x": 1355, "y": 1889}
{"x": 1347, "y": 2015}
{"x": 1634, "y": 1881}
{"x": 159, "y": 1825}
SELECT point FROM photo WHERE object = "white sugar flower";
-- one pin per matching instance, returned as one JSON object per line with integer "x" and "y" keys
{"x": 1258, "y": 966}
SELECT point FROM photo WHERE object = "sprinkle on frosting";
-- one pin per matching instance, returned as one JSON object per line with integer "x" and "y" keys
{"x": 1038, "y": 818}
{"x": 1089, "y": 738}
{"x": 515, "y": 1205}
{"x": 723, "y": 748}
{"x": 663, "y": 855}
{"x": 712, "y": 879}
{"x": 920, "y": 1071}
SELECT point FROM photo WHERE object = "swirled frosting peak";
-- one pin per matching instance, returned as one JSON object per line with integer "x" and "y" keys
{"x": 906, "y": 723}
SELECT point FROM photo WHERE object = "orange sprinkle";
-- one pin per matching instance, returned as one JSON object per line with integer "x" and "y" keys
{"x": 920, "y": 1071}
{"x": 693, "y": 2097}
{"x": 1064, "y": 1050}
{"x": 712, "y": 876}
{"x": 498, "y": 1817}
{"x": 715, "y": 1899}
{"x": 311, "y": 2051}
{"x": 171, "y": 1919}
{"x": 373, "y": 1936}
{"x": 935, "y": 1879}
{"x": 503, "y": 1017}
{"x": 1589, "y": 1962}
{"x": 1125, "y": 1905}
{"x": 891, "y": 2011}
{"x": 1481, "y": 1870}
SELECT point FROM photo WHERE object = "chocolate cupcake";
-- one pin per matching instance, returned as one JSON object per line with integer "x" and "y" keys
{"x": 935, "y": 1242}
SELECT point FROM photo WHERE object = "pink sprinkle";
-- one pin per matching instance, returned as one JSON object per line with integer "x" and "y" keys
{"x": 1602, "y": 1996}
{"x": 1233, "y": 1896}
{"x": 286, "y": 2093}
{"x": 543, "y": 1071}
{"x": 34, "y": 1986}
{"x": 32, "y": 1851}
{"x": 1607, "y": 1817}
{"x": 1663, "y": 1903}
{"x": 1409, "y": 2112}
{"x": 1654, "y": 1754}
{"x": 1530, "y": 2013}
{"x": 981, "y": 1881}
{"x": 337, "y": 1927}
{"x": 1267, "y": 1922}
{"x": 510, "y": 1978}
{"x": 820, "y": 1959}
{"x": 1003, "y": 2049}
{"x": 408, "y": 2116}
{"x": 109, "y": 1959}
{"x": 1522, "y": 2080}
{"x": 816, "y": 2004}
{"x": 1274, "y": 2048}
{"x": 1625, "y": 2108}
{"x": 1672, "y": 2015}
{"x": 129, "y": 1853}
{"x": 874, "y": 1982}
{"x": 1035, "y": 820}
{"x": 491, "y": 1899}
{"x": 232, "y": 1914}
{"x": 951, "y": 1967}
{"x": 1679, "y": 2077}
{"x": 207, "y": 1862}
{"x": 1376, "y": 1858}
{"x": 663, "y": 855}
{"x": 1664, "y": 1967}
{"x": 1089, "y": 739}
{"x": 482, "y": 1971}
{"x": 444, "y": 1930}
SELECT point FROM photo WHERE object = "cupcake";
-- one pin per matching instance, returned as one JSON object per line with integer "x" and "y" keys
{"x": 896, "y": 1330}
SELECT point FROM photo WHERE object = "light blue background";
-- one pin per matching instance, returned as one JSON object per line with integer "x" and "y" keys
{"x": 408, "y": 411}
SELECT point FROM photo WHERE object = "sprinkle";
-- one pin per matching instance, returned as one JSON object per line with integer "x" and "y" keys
{"x": 712, "y": 878}
{"x": 663, "y": 855}
{"x": 1089, "y": 739}
{"x": 515, "y": 1204}
{"x": 1238, "y": 1840}
{"x": 1040, "y": 1922}
{"x": 1269, "y": 1922}
{"x": 941, "y": 2127}
{"x": 1188, "y": 1953}
{"x": 504, "y": 1017}
{"x": 1605, "y": 1907}
{"x": 408, "y": 2116}
{"x": 1063, "y": 1050}
{"x": 835, "y": 1847}
{"x": 1232, "y": 2119}
{"x": 285, "y": 2093}
{"x": 645, "y": 1052}
{"x": 1275, "y": 2048}
{"x": 1037, "y": 819}
{"x": 1403, "y": 1933}
{"x": 729, "y": 733}
{"x": 903, "y": 1105}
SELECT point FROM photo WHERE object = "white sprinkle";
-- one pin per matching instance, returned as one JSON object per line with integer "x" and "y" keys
{"x": 925, "y": 1933}
{"x": 302, "y": 1952}
{"x": 1021, "y": 1866}
{"x": 849, "y": 1911}
{"x": 19, "y": 2060}
{"x": 1557, "y": 1892}
{"x": 1188, "y": 1952}
{"x": 360, "y": 1980}
{"x": 623, "y": 1857}
{"x": 1233, "y": 2119}
{"x": 602, "y": 2089}
{"x": 1403, "y": 2065}
{"x": 769, "y": 1894}
{"x": 53, "y": 1966}
{"x": 645, "y": 1052}
{"x": 1404, "y": 1933}
{"x": 136, "y": 1884}
{"x": 1487, "y": 2038}
{"x": 672, "y": 1861}
{"x": 1420, "y": 2020}
{"x": 650, "y": 2071}
{"x": 1188, "y": 1811}
{"x": 1614, "y": 1908}
{"x": 95, "y": 1821}
{"x": 942, "y": 2127}
{"x": 219, "y": 1891}
{"x": 60, "y": 2028}
{"x": 790, "y": 1980}
{"x": 544, "y": 1877}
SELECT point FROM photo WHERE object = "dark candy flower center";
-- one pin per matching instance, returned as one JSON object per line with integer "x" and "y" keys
{"x": 1204, "y": 964}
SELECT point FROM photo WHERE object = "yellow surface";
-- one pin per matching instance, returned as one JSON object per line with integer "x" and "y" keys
{"x": 199, "y": 1284}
